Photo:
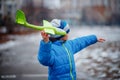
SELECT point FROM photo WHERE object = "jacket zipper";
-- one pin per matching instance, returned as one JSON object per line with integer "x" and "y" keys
{"x": 70, "y": 61}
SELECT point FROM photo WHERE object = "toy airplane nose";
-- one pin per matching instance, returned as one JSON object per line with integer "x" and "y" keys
{"x": 47, "y": 27}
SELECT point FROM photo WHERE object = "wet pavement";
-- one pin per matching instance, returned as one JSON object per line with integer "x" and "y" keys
{"x": 101, "y": 61}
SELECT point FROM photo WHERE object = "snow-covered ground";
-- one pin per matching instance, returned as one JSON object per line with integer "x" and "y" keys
{"x": 97, "y": 62}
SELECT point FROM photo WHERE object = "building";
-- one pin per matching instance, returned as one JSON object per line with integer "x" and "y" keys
{"x": 9, "y": 7}
{"x": 75, "y": 11}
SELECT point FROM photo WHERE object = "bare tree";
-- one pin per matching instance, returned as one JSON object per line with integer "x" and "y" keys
{"x": 8, "y": 23}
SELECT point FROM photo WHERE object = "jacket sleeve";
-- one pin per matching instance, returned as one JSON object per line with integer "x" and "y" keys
{"x": 82, "y": 42}
{"x": 44, "y": 54}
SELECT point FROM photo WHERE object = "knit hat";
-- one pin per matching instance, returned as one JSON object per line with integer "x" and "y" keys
{"x": 60, "y": 24}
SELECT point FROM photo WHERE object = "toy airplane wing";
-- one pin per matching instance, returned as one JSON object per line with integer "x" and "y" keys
{"x": 46, "y": 23}
{"x": 49, "y": 31}
{"x": 49, "y": 27}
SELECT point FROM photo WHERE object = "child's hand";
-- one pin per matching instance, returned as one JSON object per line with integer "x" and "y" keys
{"x": 45, "y": 36}
{"x": 101, "y": 40}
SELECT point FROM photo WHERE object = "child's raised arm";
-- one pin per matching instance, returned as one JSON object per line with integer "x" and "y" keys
{"x": 82, "y": 42}
{"x": 45, "y": 54}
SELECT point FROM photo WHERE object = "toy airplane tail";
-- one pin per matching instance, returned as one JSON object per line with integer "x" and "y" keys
{"x": 47, "y": 27}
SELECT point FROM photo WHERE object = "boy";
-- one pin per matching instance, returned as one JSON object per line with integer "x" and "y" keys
{"x": 57, "y": 52}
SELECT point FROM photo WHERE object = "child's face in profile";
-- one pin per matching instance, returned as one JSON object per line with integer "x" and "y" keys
{"x": 65, "y": 37}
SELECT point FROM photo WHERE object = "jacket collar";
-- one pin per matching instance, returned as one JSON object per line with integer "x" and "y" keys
{"x": 59, "y": 42}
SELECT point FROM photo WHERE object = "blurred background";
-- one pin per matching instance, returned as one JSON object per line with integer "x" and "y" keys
{"x": 19, "y": 45}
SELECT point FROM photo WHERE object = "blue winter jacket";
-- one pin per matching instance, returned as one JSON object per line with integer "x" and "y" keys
{"x": 59, "y": 56}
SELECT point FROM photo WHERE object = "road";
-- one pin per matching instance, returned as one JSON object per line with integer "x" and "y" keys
{"x": 18, "y": 57}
